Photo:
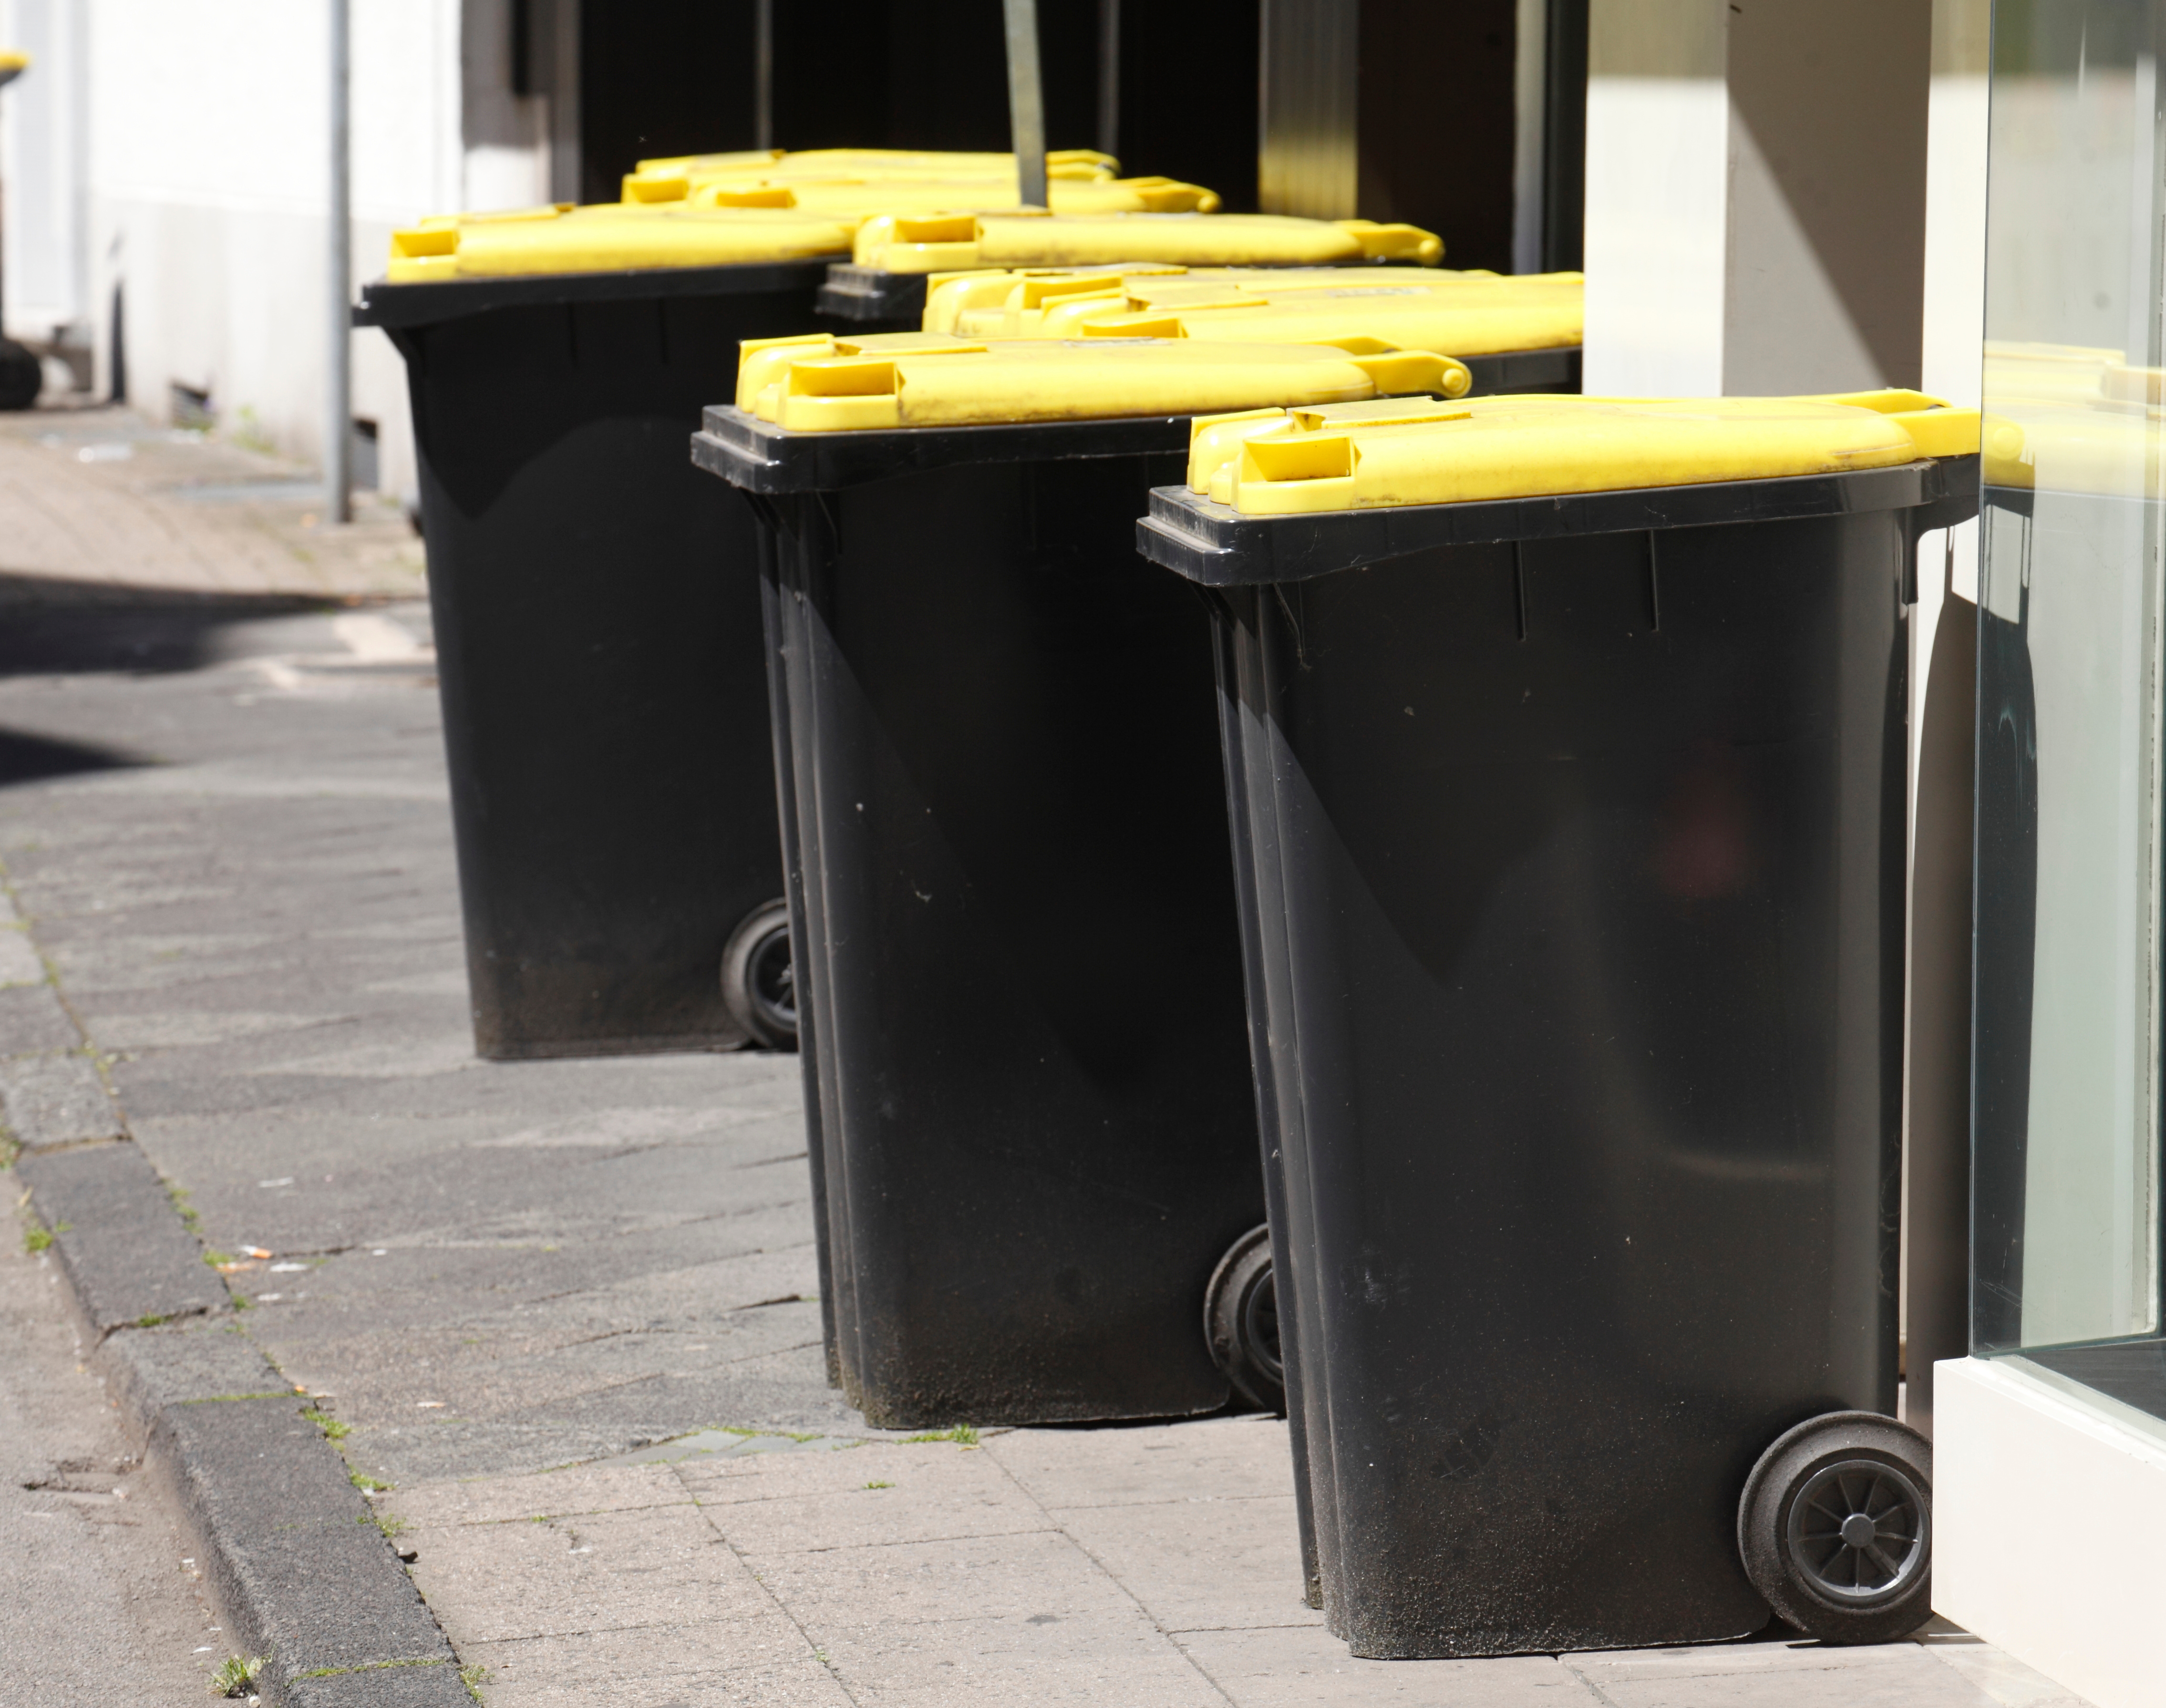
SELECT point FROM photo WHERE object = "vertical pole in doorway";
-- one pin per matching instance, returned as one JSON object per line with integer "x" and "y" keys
{"x": 1530, "y": 88}
{"x": 1025, "y": 100}
{"x": 762, "y": 74}
{"x": 1109, "y": 78}
{"x": 338, "y": 261}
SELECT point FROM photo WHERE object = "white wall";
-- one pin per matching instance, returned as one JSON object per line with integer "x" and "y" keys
{"x": 45, "y": 251}
{"x": 2049, "y": 1507}
{"x": 207, "y": 186}
{"x": 1754, "y": 195}
{"x": 1658, "y": 196}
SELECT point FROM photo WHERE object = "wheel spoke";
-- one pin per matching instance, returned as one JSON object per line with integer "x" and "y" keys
{"x": 1854, "y": 1492}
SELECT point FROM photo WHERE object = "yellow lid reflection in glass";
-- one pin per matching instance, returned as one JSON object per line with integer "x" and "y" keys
{"x": 916, "y": 379}
{"x": 2071, "y": 419}
{"x": 1492, "y": 448}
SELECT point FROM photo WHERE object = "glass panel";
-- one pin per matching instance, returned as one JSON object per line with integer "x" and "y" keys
{"x": 2066, "y": 1200}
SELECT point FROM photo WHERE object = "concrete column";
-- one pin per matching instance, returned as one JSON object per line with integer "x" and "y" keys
{"x": 1943, "y": 723}
{"x": 1755, "y": 194}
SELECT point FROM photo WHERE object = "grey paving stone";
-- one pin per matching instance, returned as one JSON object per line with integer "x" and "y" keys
{"x": 1305, "y": 1667}
{"x": 677, "y": 1664}
{"x": 127, "y": 1255}
{"x": 19, "y": 962}
{"x": 50, "y": 1100}
{"x": 32, "y": 1021}
{"x": 598, "y": 1571}
{"x": 1894, "y": 1675}
{"x": 436, "y": 1685}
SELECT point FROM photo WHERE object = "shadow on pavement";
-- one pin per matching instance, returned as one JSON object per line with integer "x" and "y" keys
{"x": 52, "y": 627}
{"x": 34, "y": 758}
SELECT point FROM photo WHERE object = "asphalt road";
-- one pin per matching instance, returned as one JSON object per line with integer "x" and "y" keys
{"x": 99, "y": 1603}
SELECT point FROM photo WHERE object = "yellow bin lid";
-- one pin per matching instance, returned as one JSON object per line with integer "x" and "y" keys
{"x": 1080, "y": 181}
{"x": 817, "y": 384}
{"x": 904, "y": 244}
{"x": 981, "y": 299}
{"x": 865, "y": 198}
{"x": 1464, "y": 316}
{"x": 1039, "y": 304}
{"x": 607, "y": 238}
{"x": 907, "y": 162}
{"x": 1286, "y": 461}
{"x": 950, "y": 297}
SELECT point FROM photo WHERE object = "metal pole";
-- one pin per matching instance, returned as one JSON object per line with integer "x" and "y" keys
{"x": 338, "y": 261}
{"x": 1025, "y": 100}
{"x": 762, "y": 72}
{"x": 1530, "y": 85}
{"x": 1109, "y": 78}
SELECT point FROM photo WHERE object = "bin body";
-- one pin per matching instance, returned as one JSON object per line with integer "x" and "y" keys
{"x": 1573, "y": 874}
{"x": 598, "y": 628}
{"x": 1019, "y": 966}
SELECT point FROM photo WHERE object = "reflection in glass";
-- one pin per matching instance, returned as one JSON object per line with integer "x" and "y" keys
{"x": 2066, "y": 1202}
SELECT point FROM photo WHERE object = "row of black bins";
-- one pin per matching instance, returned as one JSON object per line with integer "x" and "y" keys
{"x": 1561, "y": 926}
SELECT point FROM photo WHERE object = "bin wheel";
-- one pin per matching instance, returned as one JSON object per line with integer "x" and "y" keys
{"x": 759, "y": 984}
{"x": 1835, "y": 1527}
{"x": 1241, "y": 1321}
{"x": 21, "y": 375}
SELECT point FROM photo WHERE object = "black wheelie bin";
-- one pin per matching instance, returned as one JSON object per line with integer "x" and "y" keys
{"x": 597, "y": 616}
{"x": 1016, "y": 947}
{"x": 1565, "y": 751}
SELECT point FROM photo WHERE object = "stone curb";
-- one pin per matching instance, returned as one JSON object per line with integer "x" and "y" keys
{"x": 298, "y": 1558}
{"x": 300, "y": 1568}
{"x": 123, "y": 1248}
{"x": 55, "y": 1100}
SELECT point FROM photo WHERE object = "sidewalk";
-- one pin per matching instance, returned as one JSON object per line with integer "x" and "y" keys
{"x": 564, "y": 1309}
{"x": 99, "y": 495}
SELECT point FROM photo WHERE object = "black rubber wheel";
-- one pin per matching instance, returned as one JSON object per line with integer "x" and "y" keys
{"x": 759, "y": 985}
{"x": 1241, "y": 1321}
{"x": 1835, "y": 1527}
{"x": 21, "y": 375}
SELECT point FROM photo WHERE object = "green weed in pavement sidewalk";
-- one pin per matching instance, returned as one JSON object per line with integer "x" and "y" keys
{"x": 963, "y": 1435}
{"x": 235, "y": 1677}
{"x": 38, "y": 1237}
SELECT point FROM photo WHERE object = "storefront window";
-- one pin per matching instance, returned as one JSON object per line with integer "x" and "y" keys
{"x": 2066, "y": 1201}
